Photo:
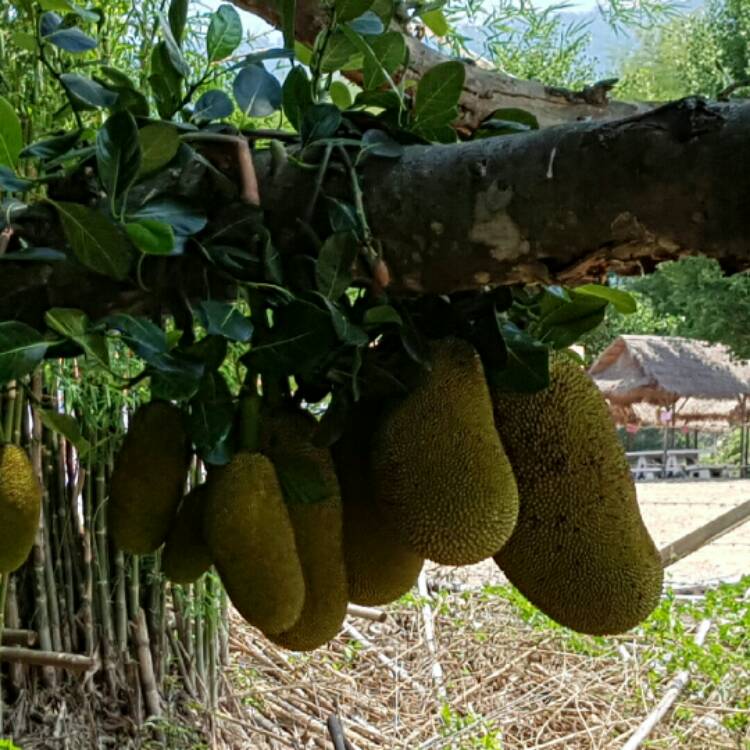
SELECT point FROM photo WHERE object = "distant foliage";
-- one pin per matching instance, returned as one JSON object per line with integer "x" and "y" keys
{"x": 702, "y": 53}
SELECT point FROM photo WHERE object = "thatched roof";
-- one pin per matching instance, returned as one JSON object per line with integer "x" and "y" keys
{"x": 663, "y": 369}
{"x": 707, "y": 414}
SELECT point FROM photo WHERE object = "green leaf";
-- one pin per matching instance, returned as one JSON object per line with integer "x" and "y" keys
{"x": 211, "y": 415}
{"x": 185, "y": 219}
{"x": 159, "y": 142}
{"x": 436, "y": 22}
{"x": 87, "y": 94}
{"x": 563, "y": 322}
{"x": 257, "y": 92}
{"x": 370, "y": 58}
{"x": 11, "y": 136}
{"x": 340, "y": 95}
{"x": 51, "y": 148}
{"x": 348, "y": 332}
{"x": 623, "y": 302}
{"x": 165, "y": 81}
{"x": 118, "y": 154}
{"x": 75, "y": 325}
{"x": 379, "y": 143}
{"x": 66, "y": 426}
{"x": 302, "y": 479}
{"x": 224, "y": 33}
{"x": 21, "y": 350}
{"x": 382, "y": 315}
{"x": 173, "y": 48}
{"x": 175, "y": 377}
{"x": 71, "y": 40}
{"x": 212, "y": 105}
{"x": 11, "y": 182}
{"x": 348, "y": 10}
{"x": 296, "y": 95}
{"x": 145, "y": 338}
{"x": 151, "y": 237}
{"x": 368, "y": 24}
{"x": 438, "y": 93}
{"x": 177, "y": 14}
{"x": 340, "y": 53}
{"x": 224, "y": 319}
{"x": 96, "y": 241}
{"x": 527, "y": 366}
{"x": 301, "y": 339}
{"x": 333, "y": 269}
{"x": 320, "y": 121}
{"x": 389, "y": 53}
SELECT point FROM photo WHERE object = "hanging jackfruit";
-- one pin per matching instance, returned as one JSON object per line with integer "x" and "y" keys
{"x": 580, "y": 552}
{"x": 251, "y": 541}
{"x": 441, "y": 477}
{"x": 20, "y": 506}
{"x": 186, "y": 557}
{"x": 313, "y": 501}
{"x": 148, "y": 478}
{"x": 379, "y": 568}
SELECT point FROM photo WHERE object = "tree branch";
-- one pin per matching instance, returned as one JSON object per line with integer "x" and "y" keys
{"x": 485, "y": 91}
{"x": 564, "y": 204}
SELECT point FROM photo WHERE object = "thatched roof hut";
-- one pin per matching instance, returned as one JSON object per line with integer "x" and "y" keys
{"x": 710, "y": 414}
{"x": 663, "y": 370}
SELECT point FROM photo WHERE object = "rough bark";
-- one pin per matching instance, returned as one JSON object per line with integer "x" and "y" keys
{"x": 563, "y": 204}
{"x": 485, "y": 91}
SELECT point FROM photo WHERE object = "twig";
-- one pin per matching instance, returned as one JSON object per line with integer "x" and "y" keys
{"x": 396, "y": 670}
{"x": 18, "y": 637}
{"x": 367, "y": 613}
{"x": 676, "y": 686}
{"x": 429, "y": 635}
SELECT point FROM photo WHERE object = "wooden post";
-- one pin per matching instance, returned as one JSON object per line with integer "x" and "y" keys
{"x": 693, "y": 541}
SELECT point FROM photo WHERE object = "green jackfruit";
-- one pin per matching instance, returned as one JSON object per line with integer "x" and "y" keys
{"x": 379, "y": 568}
{"x": 148, "y": 478}
{"x": 185, "y": 556}
{"x": 287, "y": 436}
{"x": 441, "y": 476}
{"x": 251, "y": 540}
{"x": 580, "y": 551}
{"x": 20, "y": 506}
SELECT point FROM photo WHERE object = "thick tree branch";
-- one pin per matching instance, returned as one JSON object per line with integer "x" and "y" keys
{"x": 485, "y": 91}
{"x": 563, "y": 204}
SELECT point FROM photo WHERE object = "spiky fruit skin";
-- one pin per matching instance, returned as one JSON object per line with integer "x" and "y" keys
{"x": 20, "y": 506}
{"x": 251, "y": 541}
{"x": 379, "y": 568}
{"x": 148, "y": 478}
{"x": 580, "y": 552}
{"x": 287, "y": 439}
{"x": 441, "y": 477}
{"x": 186, "y": 557}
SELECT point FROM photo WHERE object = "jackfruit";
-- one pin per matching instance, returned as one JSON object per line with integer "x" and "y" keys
{"x": 20, "y": 507}
{"x": 251, "y": 541}
{"x": 186, "y": 557}
{"x": 580, "y": 552}
{"x": 148, "y": 478}
{"x": 314, "y": 505}
{"x": 441, "y": 477}
{"x": 379, "y": 568}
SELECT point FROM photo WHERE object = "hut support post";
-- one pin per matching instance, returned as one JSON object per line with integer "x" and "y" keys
{"x": 743, "y": 437}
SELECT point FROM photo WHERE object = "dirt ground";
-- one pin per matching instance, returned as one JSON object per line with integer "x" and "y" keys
{"x": 670, "y": 510}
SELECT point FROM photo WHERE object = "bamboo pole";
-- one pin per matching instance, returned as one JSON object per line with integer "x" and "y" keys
{"x": 723, "y": 524}
{"x": 146, "y": 665}
{"x": 47, "y": 659}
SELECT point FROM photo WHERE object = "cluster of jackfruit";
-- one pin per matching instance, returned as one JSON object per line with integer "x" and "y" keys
{"x": 20, "y": 507}
{"x": 453, "y": 472}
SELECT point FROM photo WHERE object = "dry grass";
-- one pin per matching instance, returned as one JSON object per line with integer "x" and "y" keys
{"x": 511, "y": 680}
